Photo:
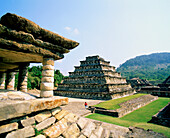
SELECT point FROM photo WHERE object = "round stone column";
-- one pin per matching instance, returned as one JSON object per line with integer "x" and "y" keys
{"x": 22, "y": 78}
{"x": 2, "y": 80}
{"x": 10, "y": 80}
{"x": 47, "y": 81}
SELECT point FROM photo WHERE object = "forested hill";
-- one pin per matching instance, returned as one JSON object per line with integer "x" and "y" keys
{"x": 153, "y": 67}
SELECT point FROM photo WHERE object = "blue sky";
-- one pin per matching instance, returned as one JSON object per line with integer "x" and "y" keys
{"x": 116, "y": 30}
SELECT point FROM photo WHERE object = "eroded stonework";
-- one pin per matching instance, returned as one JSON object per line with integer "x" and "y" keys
{"x": 94, "y": 79}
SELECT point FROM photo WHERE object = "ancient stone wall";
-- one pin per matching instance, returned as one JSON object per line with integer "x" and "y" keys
{"x": 126, "y": 107}
{"x": 162, "y": 117}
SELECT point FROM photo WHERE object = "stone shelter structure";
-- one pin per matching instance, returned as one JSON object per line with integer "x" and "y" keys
{"x": 94, "y": 79}
{"x": 23, "y": 42}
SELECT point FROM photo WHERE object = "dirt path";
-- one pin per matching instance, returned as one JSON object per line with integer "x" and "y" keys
{"x": 76, "y": 106}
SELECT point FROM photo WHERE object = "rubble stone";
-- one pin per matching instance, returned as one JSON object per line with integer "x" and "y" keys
{"x": 8, "y": 127}
{"x": 42, "y": 116}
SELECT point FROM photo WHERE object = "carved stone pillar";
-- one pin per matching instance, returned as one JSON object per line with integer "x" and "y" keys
{"x": 22, "y": 78}
{"x": 2, "y": 80}
{"x": 47, "y": 81}
{"x": 10, "y": 80}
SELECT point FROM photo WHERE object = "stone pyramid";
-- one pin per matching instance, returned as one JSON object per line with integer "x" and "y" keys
{"x": 94, "y": 79}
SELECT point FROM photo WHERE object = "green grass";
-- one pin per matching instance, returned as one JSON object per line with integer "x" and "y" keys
{"x": 114, "y": 104}
{"x": 139, "y": 117}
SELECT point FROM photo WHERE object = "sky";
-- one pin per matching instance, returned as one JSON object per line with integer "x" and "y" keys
{"x": 116, "y": 30}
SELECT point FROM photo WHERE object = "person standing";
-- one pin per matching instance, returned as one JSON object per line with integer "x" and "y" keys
{"x": 85, "y": 104}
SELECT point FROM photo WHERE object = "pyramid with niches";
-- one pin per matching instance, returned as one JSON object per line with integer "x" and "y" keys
{"x": 94, "y": 79}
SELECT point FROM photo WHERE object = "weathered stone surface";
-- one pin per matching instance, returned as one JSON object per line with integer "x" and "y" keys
{"x": 48, "y": 73}
{"x": 28, "y": 121}
{"x": 46, "y": 94}
{"x": 71, "y": 117}
{"x": 22, "y": 133}
{"x": 40, "y": 136}
{"x": 106, "y": 133}
{"x": 93, "y": 136}
{"x": 98, "y": 131}
{"x": 47, "y": 86}
{"x": 42, "y": 116}
{"x": 23, "y": 24}
{"x": 48, "y": 61}
{"x": 82, "y": 122}
{"x": 82, "y": 136}
{"x": 2, "y": 80}
{"x": 56, "y": 129}
{"x": 88, "y": 129}
{"x": 73, "y": 131}
{"x": 46, "y": 123}
{"x": 47, "y": 79}
{"x": 61, "y": 114}
{"x": 16, "y": 108}
{"x": 48, "y": 67}
{"x": 55, "y": 110}
{"x": 8, "y": 127}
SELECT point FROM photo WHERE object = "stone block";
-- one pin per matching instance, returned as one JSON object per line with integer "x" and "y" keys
{"x": 42, "y": 116}
{"x": 82, "y": 136}
{"x": 46, "y": 86}
{"x": 19, "y": 108}
{"x": 48, "y": 67}
{"x": 48, "y": 61}
{"x": 28, "y": 121}
{"x": 88, "y": 129}
{"x": 73, "y": 131}
{"x": 98, "y": 131}
{"x": 46, "y": 94}
{"x": 47, "y": 79}
{"x": 48, "y": 73}
{"x": 22, "y": 133}
{"x": 71, "y": 117}
{"x": 55, "y": 111}
{"x": 93, "y": 136}
{"x": 82, "y": 122}
{"x": 8, "y": 127}
{"x": 61, "y": 114}
{"x": 106, "y": 133}
{"x": 56, "y": 129}
{"x": 40, "y": 136}
{"x": 46, "y": 123}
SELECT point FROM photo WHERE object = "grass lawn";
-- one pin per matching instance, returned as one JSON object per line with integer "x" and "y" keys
{"x": 114, "y": 104}
{"x": 139, "y": 117}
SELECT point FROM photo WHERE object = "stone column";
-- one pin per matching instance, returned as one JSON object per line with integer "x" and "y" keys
{"x": 22, "y": 78}
{"x": 2, "y": 80}
{"x": 10, "y": 80}
{"x": 47, "y": 81}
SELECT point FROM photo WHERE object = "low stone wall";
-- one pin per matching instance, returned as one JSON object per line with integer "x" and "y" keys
{"x": 162, "y": 117}
{"x": 126, "y": 107}
{"x": 156, "y": 93}
{"x": 94, "y": 95}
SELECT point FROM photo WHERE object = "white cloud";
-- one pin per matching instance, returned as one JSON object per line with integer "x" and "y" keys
{"x": 68, "y": 28}
{"x": 73, "y": 31}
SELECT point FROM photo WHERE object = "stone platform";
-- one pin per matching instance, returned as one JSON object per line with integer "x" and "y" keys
{"x": 16, "y": 104}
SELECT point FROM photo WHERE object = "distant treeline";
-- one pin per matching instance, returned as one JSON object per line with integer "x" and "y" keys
{"x": 35, "y": 75}
{"x": 154, "y": 67}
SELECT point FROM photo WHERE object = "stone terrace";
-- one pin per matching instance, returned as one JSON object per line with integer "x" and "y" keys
{"x": 126, "y": 107}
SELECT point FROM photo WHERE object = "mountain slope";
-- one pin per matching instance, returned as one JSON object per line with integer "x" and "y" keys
{"x": 153, "y": 67}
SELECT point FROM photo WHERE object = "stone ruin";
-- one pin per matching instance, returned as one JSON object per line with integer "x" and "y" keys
{"x": 23, "y": 42}
{"x": 23, "y": 115}
{"x": 162, "y": 117}
{"x": 94, "y": 79}
{"x": 125, "y": 107}
{"x": 162, "y": 89}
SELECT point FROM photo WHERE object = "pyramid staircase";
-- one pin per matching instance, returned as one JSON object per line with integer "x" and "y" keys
{"x": 94, "y": 79}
